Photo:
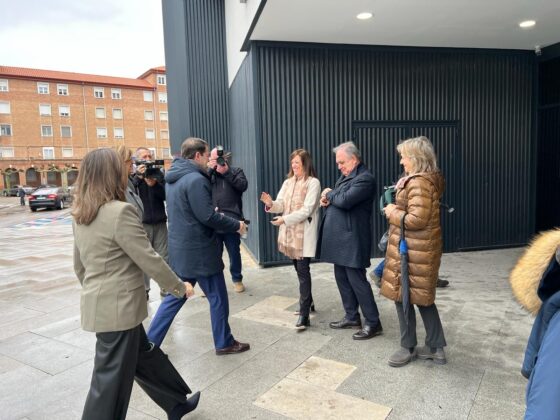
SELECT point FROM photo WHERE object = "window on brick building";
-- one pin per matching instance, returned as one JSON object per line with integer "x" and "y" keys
{"x": 62, "y": 90}
{"x": 6, "y": 152}
{"x": 99, "y": 112}
{"x": 150, "y": 134}
{"x": 152, "y": 152}
{"x": 165, "y": 152}
{"x": 4, "y": 108}
{"x": 65, "y": 131}
{"x": 149, "y": 115}
{"x": 117, "y": 114}
{"x": 67, "y": 152}
{"x": 4, "y": 87}
{"x": 45, "y": 109}
{"x": 164, "y": 134}
{"x": 163, "y": 116}
{"x": 64, "y": 110}
{"x": 46, "y": 130}
{"x": 101, "y": 132}
{"x": 48, "y": 152}
{"x": 99, "y": 92}
{"x": 162, "y": 97}
{"x": 118, "y": 132}
{"x": 42, "y": 88}
{"x": 5, "y": 129}
{"x": 161, "y": 79}
{"x": 148, "y": 96}
{"x": 116, "y": 94}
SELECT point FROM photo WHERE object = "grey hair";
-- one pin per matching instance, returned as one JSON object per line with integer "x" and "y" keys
{"x": 350, "y": 148}
{"x": 137, "y": 152}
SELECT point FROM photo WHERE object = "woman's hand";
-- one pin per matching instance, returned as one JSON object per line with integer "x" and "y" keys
{"x": 266, "y": 199}
{"x": 277, "y": 221}
{"x": 389, "y": 209}
{"x": 189, "y": 289}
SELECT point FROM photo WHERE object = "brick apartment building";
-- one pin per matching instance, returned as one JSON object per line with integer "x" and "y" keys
{"x": 50, "y": 119}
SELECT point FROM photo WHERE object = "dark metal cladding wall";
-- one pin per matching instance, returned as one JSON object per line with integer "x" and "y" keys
{"x": 548, "y": 185}
{"x": 195, "y": 54}
{"x": 310, "y": 96}
{"x": 243, "y": 126}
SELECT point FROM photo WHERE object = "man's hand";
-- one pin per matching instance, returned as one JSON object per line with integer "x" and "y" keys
{"x": 222, "y": 169}
{"x": 150, "y": 181}
{"x": 389, "y": 209}
{"x": 211, "y": 164}
{"x": 189, "y": 289}
{"x": 242, "y": 228}
{"x": 324, "y": 202}
{"x": 141, "y": 170}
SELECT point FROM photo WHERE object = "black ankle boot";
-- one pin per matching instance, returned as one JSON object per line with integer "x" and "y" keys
{"x": 303, "y": 322}
{"x": 181, "y": 409}
{"x": 312, "y": 307}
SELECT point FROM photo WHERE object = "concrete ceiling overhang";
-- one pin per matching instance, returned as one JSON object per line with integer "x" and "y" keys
{"x": 419, "y": 23}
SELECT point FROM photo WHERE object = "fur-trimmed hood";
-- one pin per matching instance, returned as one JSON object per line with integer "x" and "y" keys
{"x": 526, "y": 279}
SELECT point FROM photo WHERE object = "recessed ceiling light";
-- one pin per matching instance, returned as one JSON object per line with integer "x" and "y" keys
{"x": 364, "y": 15}
{"x": 527, "y": 24}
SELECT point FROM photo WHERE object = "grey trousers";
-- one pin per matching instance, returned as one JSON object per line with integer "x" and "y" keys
{"x": 157, "y": 235}
{"x": 432, "y": 324}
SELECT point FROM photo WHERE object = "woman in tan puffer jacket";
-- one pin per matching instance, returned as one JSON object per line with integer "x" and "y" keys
{"x": 417, "y": 200}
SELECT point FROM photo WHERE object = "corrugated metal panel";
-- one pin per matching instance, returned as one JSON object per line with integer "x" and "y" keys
{"x": 548, "y": 201}
{"x": 243, "y": 119}
{"x": 195, "y": 55}
{"x": 310, "y": 96}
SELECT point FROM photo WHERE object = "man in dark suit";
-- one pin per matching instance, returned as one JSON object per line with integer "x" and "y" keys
{"x": 345, "y": 240}
{"x": 194, "y": 251}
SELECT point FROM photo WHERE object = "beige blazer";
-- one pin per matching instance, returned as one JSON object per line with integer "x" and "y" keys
{"x": 110, "y": 256}
{"x": 310, "y": 209}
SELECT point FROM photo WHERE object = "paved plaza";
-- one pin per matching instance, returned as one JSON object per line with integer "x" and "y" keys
{"x": 46, "y": 359}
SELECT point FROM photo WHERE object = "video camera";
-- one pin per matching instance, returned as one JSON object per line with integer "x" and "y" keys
{"x": 153, "y": 167}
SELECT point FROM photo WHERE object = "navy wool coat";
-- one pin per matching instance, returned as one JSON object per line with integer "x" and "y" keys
{"x": 345, "y": 232}
{"x": 194, "y": 250}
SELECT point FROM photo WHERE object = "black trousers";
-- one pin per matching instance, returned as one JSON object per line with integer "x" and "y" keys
{"x": 121, "y": 357}
{"x": 356, "y": 291}
{"x": 304, "y": 277}
{"x": 432, "y": 324}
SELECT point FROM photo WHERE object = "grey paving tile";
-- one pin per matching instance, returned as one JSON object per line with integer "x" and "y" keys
{"x": 487, "y": 408}
{"x": 46, "y": 354}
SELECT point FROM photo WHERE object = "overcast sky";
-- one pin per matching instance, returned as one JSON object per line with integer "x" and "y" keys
{"x": 106, "y": 37}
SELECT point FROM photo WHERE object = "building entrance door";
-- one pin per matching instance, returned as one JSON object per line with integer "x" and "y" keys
{"x": 377, "y": 140}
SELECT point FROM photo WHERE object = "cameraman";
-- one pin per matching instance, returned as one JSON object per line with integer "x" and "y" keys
{"x": 151, "y": 189}
{"x": 228, "y": 185}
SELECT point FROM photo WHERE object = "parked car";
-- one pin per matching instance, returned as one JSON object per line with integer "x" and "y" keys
{"x": 13, "y": 191}
{"x": 48, "y": 198}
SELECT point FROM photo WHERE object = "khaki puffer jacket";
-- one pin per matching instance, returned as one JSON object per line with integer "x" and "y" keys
{"x": 419, "y": 199}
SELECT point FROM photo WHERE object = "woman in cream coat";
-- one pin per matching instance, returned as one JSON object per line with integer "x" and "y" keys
{"x": 111, "y": 251}
{"x": 298, "y": 201}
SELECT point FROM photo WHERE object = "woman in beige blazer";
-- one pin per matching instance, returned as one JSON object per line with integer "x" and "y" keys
{"x": 298, "y": 201}
{"x": 111, "y": 251}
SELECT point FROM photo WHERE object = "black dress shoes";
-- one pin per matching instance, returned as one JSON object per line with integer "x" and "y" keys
{"x": 181, "y": 409}
{"x": 302, "y": 322}
{"x": 368, "y": 332}
{"x": 344, "y": 323}
{"x": 236, "y": 347}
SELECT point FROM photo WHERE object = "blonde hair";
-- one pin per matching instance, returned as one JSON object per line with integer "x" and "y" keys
{"x": 124, "y": 152}
{"x": 420, "y": 152}
{"x": 102, "y": 178}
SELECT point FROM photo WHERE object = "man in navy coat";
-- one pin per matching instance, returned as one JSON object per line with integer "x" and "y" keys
{"x": 194, "y": 251}
{"x": 345, "y": 240}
